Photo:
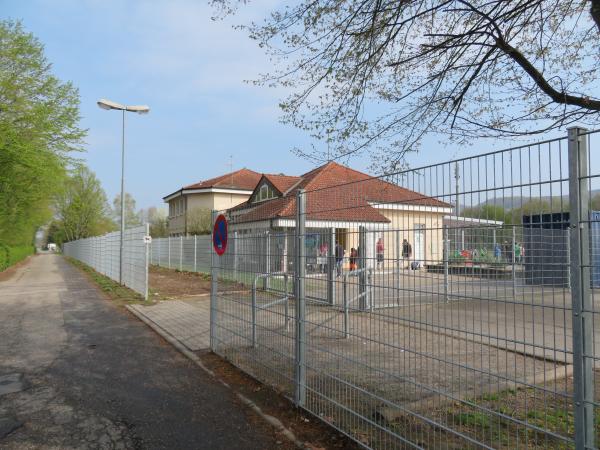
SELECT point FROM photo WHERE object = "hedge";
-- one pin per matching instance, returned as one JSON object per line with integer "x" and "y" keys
{"x": 12, "y": 255}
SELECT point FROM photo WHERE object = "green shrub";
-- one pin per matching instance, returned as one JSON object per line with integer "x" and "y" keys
{"x": 11, "y": 255}
{"x": 4, "y": 255}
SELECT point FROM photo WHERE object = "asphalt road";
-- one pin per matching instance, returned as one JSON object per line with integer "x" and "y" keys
{"x": 89, "y": 375}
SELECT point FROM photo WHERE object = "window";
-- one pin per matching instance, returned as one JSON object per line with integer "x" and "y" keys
{"x": 265, "y": 192}
{"x": 176, "y": 207}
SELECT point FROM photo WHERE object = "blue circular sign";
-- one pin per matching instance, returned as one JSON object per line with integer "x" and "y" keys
{"x": 220, "y": 235}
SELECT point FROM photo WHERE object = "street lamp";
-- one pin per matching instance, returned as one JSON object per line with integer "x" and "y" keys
{"x": 140, "y": 109}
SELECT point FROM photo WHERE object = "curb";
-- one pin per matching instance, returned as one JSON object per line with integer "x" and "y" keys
{"x": 271, "y": 420}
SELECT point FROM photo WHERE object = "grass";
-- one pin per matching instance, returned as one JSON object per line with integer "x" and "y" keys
{"x": 121, "y": 295}
{"x": 505, "y": 419}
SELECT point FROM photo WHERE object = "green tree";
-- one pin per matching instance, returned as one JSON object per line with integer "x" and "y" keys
{"x": 489, "y": 212}
{"x": 132, "y": 217}
{"x": 595, "y": 202}
{"x": 39, "y": 132}
{"x": 388, "y": 72}
{"x": 81, "y": 208}
{"x": 199, "y": 221}
{"x": 157, "y": 220}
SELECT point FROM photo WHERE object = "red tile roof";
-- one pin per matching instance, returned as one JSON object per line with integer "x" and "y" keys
{"x": 282, "y": 182}
{"x": 338, "y": 193}
{"x": 244, "y": 179}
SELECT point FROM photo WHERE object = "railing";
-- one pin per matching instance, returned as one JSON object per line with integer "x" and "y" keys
{"x": 362, "y": 295}
{"x": 285, "y": 300}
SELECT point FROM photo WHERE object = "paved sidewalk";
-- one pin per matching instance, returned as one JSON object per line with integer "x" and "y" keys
{"x": 187, "y": 321}
{"x": 79, "y": 372}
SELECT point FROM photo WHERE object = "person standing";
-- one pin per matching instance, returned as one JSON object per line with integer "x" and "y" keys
{"x": 497, "y": 252}
{"x": 406, "y": 252}
{"x": 507, "y": 251}
{"x": 339, "y": 258}
{"x": 323, "y": 253}
{"x": 353, "y": 256}
{"x": 379, "y": 250}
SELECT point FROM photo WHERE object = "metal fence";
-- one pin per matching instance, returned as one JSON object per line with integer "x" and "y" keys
{"x": 102, "y": 254}
{"x": 388, "y": 329}
{"x": 260, "y": 251}
{"x": 190, "y": 253}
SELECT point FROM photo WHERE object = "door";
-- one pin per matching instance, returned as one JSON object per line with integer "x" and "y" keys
{"x": 419, "y": 247}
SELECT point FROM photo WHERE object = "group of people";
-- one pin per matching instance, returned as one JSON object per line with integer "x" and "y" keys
{"x": 340, "y": 253}
{"x": 504, "y": 251}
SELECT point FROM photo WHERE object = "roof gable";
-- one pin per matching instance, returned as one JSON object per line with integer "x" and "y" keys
{"x": 334, "y": 192}
{"x": 243, "y": 179}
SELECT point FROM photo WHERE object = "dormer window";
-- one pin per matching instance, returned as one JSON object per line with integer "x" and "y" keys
{"x": 265, "y": 192}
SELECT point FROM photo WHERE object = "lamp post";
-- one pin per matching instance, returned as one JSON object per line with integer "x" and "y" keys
{"x": 140, "y": 109}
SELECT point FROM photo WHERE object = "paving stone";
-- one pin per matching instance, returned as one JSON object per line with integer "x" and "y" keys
{"x": 188, "y": 323}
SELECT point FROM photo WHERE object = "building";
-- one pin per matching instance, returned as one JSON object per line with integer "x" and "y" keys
{"x": 190, "y": 206}
{"x": 342, "y": 203}
{"x": 472, "y": 233}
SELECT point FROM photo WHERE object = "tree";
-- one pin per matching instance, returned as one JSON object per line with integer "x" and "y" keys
{"x": 39, "y": 131}
{"x": 132, "y": 217}
{"x": 157, "y": 219}
{"x": 81, "y": 208}
{"x": 199, "y": 221}
{"x": 388, "y": 72}
{"x": 489, "y": 212}
{"x": 595, "y": 202}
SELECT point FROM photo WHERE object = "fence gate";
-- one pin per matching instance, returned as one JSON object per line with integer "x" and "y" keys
{"x": 449, "y": 306}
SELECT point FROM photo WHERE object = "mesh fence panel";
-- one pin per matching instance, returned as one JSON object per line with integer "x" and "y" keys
{"x": 102, "y": 254}
{"x": 190, "y": 253}
{"x": 449, "y": 306}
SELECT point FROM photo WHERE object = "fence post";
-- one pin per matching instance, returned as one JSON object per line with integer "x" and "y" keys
{"x": 267, "y": 259}
{"x": 180, "y": 253}
{"x": 300, "y": 273}
{"x": 254, "y": 312}
{"x": 195, "y": 254}
{"x": 330, "y": 266}
{"x": 235, "y": 252}
{"x": 398, "y": 264}
{"x": 446, "y": 257}
{"x": 362, "y": 265}
{"x": 514, "y": 262}
{"x": 568, "y": 260}
{"x": 214, "y": 276}
{"x": 147, "y": 245}
{"x": 345, "y": 303}
{"x": 583, "y": 375}
{"x": 169, "y": 238}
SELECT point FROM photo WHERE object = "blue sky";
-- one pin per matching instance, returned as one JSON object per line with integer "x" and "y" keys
{"x": 190, "y": 70}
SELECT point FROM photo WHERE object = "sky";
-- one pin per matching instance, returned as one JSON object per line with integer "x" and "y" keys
{"x": 192, "y": 72}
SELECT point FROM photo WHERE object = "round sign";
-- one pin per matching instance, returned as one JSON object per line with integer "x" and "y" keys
{"x": 220, "y": 235}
